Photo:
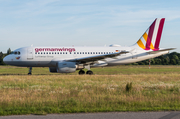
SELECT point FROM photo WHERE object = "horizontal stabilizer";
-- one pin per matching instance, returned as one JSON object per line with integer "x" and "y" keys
{"x": 161, "y": 50}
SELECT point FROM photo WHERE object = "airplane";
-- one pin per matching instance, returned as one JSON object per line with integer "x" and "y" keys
{"x": 70, "y": 59}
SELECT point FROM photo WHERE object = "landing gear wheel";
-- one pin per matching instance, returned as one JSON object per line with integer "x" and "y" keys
{"x": 81, "y": 72}
{"x": 89, "y": 72}
{"x": 30, "y": 70}
{"x": 29, "y": 73}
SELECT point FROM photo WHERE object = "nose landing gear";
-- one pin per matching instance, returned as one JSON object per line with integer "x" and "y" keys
{"x": 30, "y": 71}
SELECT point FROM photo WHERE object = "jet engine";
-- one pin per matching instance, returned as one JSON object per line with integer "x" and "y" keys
{"x": 64, "y": 67}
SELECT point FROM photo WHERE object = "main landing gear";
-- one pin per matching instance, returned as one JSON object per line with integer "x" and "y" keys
{"x": 81, "y": 72}
{"x": 89, "y": 72}
{"x": 30, "y": 71}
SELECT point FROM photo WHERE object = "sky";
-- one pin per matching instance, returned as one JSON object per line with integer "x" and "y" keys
{"x": 85, "y": 22}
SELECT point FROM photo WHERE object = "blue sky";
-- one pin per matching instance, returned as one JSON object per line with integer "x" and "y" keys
{"x": 85, "y": 22}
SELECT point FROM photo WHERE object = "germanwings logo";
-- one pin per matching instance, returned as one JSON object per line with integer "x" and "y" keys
{"x": 151, "y": 38}
{"x": 54, "y": 49}
{"x": 17, "y": 57}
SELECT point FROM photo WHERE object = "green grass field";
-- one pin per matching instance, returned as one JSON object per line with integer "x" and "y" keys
{"x": 154, "y": 89}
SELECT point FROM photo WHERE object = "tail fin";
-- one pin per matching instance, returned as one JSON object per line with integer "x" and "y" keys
{"x": 151, "y": 38}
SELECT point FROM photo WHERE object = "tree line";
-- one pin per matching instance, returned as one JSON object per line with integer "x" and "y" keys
{"x": 168, "y": 59}
{"x": 2, "y": 55}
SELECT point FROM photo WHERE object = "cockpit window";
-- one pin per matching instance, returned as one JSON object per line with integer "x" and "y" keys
{"x": 16, "y": 53}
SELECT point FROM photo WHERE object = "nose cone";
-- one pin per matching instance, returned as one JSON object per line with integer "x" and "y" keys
{"x": 6, "y": 59}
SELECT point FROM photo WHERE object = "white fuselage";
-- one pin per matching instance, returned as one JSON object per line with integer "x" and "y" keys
{"x": 49, "y": 56}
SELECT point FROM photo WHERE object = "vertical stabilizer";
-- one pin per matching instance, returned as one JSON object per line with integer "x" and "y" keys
{"x": 151, "y": 38}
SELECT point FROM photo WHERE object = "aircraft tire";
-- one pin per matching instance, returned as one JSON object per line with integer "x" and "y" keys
{"x": 89, "y": 72}
{"x": 81, "y": 72}
{"x": 29, "y": 73}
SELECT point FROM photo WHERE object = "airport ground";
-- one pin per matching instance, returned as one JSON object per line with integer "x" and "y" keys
{"x": 154, "y": 89}
{"x": 102, "y": 115}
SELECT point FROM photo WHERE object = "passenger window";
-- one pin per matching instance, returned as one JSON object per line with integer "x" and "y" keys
{"x": 85, "y": 52}
{"x": 77, "y": 52}
{"x": 55, "y": 53}
{"x": 38, "y": 52}
{"x": 19, "y": 53}
{"x": 41, "y": 53}
{"x": 80, "y": 53}
{"x": 49, "y": 52}
{"x": 58, "y": 53}
{"x": 88, "y": 52}
{"x": 74, "y": 52}
{"x": 69, "y": 52}
{"x": 63, "y": 52}
{"x": 46, "y": 52}
{"x": 35, "y": 52}
{"x": 93, "y": 52}
{"x": 66, "y": 52}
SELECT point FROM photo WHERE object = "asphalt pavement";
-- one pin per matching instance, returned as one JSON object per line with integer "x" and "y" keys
{"x": 108, "y": 115}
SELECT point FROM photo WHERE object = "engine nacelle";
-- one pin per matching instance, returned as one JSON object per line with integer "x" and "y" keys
{"x": 66, "y": 67}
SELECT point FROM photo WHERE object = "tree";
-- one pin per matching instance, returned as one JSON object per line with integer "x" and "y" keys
{"x": 165, "y": 62}
{"x": 153, "y": 61}
{"x": 1, "y": 58}
{"x": 173, "y": 61}
{"x": 8, "y": 51}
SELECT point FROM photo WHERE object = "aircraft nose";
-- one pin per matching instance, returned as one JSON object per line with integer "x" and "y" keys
{"x": 6, "y": 59}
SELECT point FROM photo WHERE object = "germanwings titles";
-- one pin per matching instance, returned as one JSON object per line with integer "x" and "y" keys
{"x": 54, "y": 49}
{"x": 70, "y": 59}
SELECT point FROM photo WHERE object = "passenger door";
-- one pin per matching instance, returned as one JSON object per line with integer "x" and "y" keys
{"x": 29, "y": 53}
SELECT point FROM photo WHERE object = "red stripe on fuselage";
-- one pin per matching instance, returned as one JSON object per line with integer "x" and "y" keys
{"x": 150, "y": 34}
{"x": 158, "y": 38}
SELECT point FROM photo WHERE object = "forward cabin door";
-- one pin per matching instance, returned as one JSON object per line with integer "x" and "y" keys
{"x": 29, "y": 53}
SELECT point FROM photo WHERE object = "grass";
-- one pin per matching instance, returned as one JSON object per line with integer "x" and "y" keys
{"x": 116, "y": 70}
{"x": 154, "y": 89}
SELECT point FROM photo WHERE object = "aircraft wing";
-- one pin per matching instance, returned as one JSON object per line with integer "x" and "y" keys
{"x": 97, "y": 57}
{"x": 161, "y": 50}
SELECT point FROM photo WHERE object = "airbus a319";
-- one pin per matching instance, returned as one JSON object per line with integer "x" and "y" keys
{"x": 69, "y": 59}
